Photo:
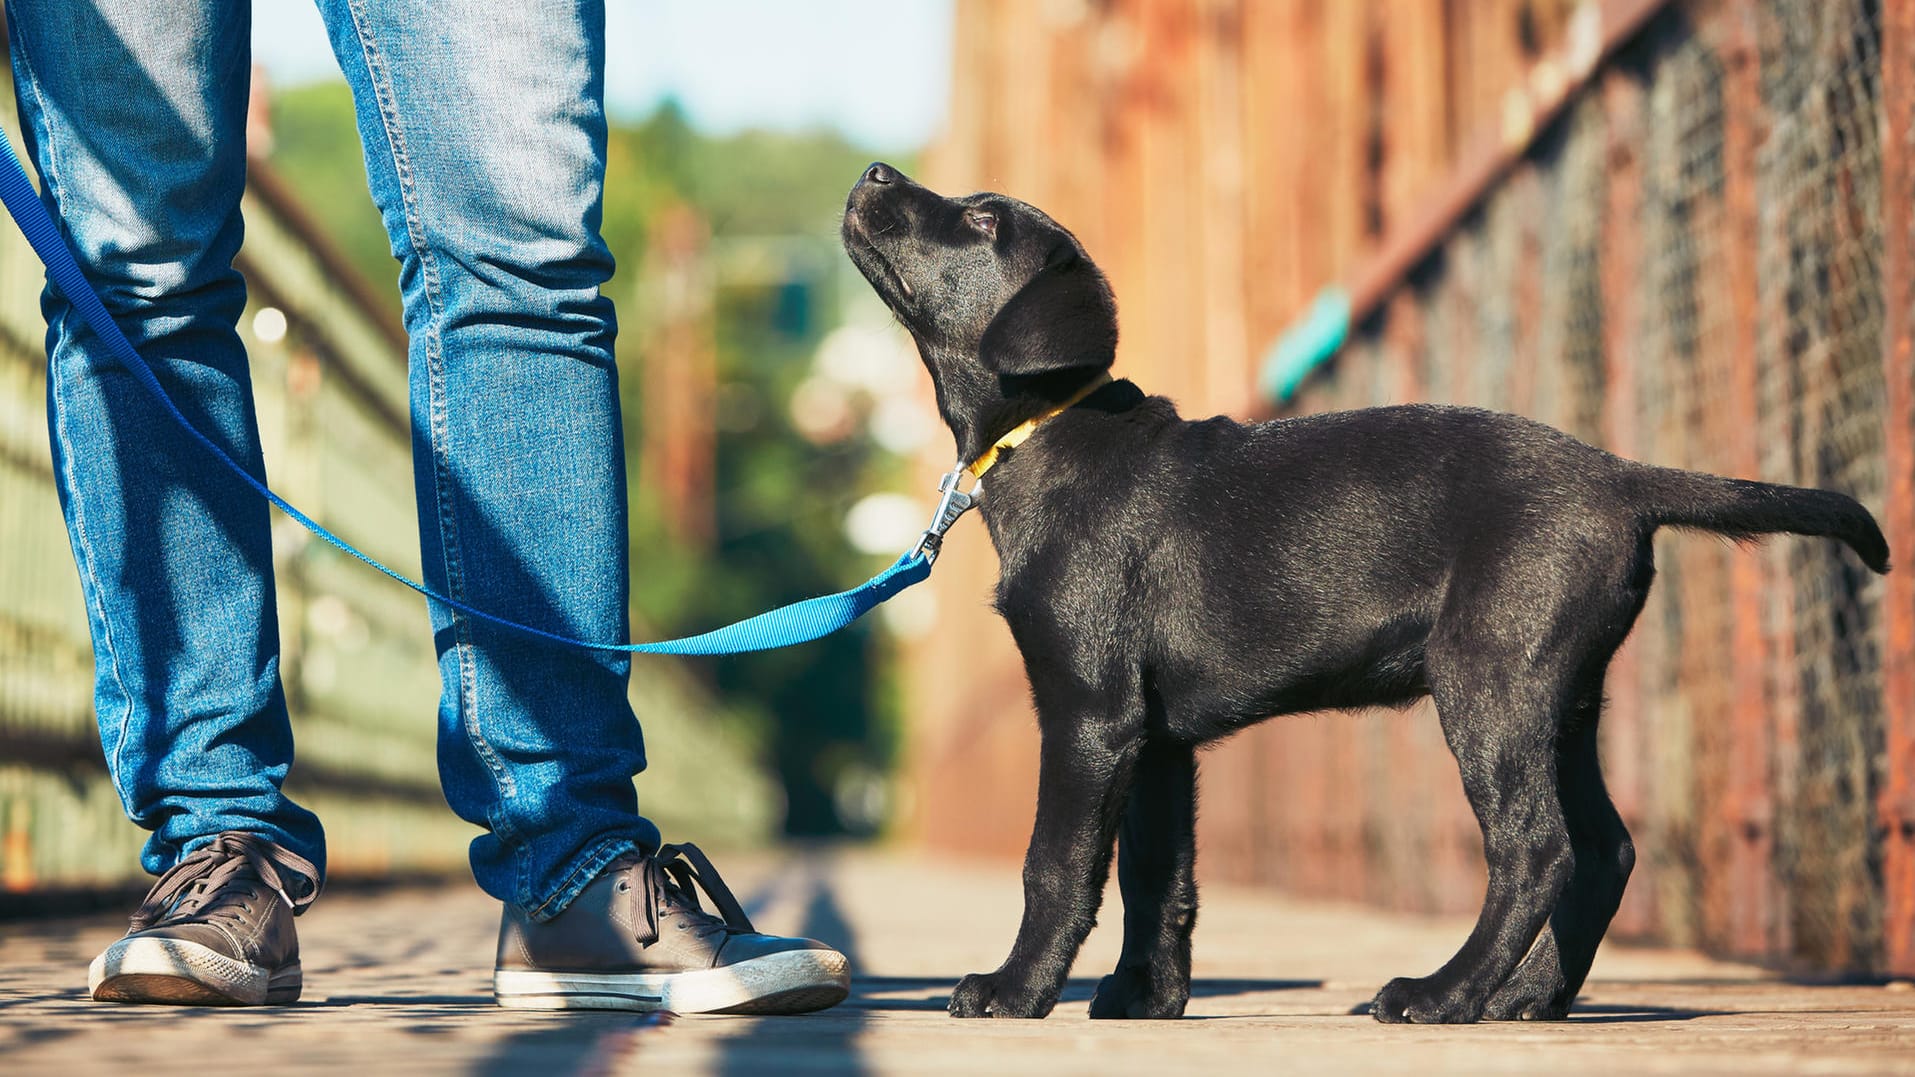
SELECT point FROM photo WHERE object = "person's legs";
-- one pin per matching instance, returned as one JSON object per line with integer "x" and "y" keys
{"x": 134, "y": 115}
{"x": 484, "y": 131}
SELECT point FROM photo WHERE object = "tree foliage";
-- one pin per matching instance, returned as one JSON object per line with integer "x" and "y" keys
{"x": 821, "y": 712}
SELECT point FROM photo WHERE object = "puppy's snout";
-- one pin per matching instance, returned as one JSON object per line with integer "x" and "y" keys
{"x": 877, "y": 184}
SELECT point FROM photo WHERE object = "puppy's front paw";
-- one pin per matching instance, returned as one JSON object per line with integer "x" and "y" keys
{"x": 1135, "y": 993}
{"x": 1520, "y": 999}
{"x": 974, "y": 995}
{"x": 988, "y": 994}
{"x": 1423, "y": 1002}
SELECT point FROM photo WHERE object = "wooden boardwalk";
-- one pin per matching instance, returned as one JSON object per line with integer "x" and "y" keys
{"x": 398, "y": 982}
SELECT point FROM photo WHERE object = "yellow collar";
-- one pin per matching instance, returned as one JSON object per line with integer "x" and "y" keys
{"x": 1025, "y": 429}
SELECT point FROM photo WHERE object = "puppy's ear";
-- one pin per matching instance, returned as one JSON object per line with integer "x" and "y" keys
{"x": 1065, "y": 317}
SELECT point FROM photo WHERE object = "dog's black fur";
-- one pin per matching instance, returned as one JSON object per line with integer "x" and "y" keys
{"x": 1170, "y": 582}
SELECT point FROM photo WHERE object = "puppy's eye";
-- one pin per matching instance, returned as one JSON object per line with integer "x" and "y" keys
{"x": 983, "y": 220}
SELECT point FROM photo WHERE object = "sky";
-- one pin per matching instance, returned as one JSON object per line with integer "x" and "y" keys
{"x": 878, "y": 71}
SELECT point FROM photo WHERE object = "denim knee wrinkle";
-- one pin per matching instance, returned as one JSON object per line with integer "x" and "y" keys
{"x": 484, "y": 134}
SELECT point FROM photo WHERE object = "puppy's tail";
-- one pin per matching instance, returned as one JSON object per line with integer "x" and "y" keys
{"x": 1743, "y": 510}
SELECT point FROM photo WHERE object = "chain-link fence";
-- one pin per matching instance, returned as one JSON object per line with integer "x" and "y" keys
{"x": 1688, "y": 267}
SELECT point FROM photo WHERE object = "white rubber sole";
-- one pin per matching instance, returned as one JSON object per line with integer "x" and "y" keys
{"x": 146, "y": 969}
{"x": 794, "y": 981}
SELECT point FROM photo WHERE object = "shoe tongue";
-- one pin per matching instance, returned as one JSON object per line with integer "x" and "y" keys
{"x": 229, "y": 882}
{"x": 675, "y": 900}
{"x": 219, "y": 889}
{"x": 194, "y": 897}
{"x": 217, "y": 871}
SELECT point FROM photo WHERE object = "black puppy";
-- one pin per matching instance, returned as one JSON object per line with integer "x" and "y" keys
{"x": 1170, "y": 582}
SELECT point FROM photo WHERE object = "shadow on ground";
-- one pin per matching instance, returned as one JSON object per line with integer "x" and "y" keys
{"x": 834, "y": 1030}
{"x": 934, "y": 992}
{"x": 1590, "y": 1013}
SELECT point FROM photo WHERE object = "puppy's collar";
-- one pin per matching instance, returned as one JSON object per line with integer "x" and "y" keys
{"x": 1022, "y": 431}
{"x": 953, "y": 502}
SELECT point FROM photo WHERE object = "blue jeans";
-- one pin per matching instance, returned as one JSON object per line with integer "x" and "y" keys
{"x": 484, "y": 133}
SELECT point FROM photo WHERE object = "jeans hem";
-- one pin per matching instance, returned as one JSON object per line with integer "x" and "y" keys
{"x": 584, "y": 870}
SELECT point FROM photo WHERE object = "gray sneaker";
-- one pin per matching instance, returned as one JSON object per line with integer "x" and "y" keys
{"x": 216, "y": 930}
{"x": 638, "y": 939}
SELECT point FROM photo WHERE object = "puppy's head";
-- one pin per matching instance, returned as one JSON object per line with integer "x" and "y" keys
{"x": 1008, "y": 311}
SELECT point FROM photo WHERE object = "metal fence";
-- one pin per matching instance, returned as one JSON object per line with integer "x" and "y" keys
{"x": 1688, "y": 269}
{"x": 1700, "y": 256}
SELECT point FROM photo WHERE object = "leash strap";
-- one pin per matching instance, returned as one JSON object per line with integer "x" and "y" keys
{"x": 800, "y": 622}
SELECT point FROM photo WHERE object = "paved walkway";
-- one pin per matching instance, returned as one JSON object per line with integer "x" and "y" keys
{"x": 398, "y": 982}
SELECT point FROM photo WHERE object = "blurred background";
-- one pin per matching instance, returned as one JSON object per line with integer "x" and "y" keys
{"x": 1681, "y": 230}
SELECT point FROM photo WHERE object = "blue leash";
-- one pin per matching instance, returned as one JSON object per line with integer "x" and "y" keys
{"x": 800, "y": 622}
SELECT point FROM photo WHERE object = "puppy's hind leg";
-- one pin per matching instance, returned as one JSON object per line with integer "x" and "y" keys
{"x": 1544, "y": 985}
{"x": 1500, "y": 713}
{"x": 1156, "y": 867}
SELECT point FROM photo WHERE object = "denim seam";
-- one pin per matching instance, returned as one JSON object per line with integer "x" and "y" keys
{"x": 50, "y": 171}
{"x": 584, "y": 870}
{"x": 467, "y": 702}
{"x": 90, "y": 560}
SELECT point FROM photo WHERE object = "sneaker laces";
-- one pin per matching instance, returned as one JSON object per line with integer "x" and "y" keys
{"x": 669, "y": 883}
{"x": 214, "y": 880}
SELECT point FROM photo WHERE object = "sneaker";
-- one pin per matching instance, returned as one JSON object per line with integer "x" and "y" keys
{"x": 637, "y": 938}
{"x": 216, "y": 930}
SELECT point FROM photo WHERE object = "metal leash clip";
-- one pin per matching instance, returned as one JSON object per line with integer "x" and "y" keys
{"x": 953, "y": 504}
